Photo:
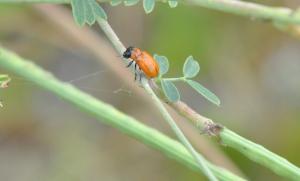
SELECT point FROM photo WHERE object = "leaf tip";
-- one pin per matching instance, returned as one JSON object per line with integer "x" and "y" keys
{"x": 148, "y": 5}
{"x": 173, "y": 3}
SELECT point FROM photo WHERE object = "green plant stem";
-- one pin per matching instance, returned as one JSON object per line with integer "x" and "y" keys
{"x": 120, "y": 48}
{"x": 105, "y": 112}
{"x": 178, "y": 132}
{"x": 253, "y": 151}
{"x": 111, "y": 35}
{"x": 250, "y": 9}
{"x": 260, "y": 154}
{"x": 242, "y": 8}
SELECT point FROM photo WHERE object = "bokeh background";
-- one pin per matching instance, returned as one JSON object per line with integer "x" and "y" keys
{"x": 253, "y": 68}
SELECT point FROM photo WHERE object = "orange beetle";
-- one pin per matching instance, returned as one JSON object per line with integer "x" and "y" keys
{"x": 145, "y": 62}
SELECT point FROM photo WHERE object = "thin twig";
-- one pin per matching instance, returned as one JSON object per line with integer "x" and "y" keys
{"x": 200, "y": 160}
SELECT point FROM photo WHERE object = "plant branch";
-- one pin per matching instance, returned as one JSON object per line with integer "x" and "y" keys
{"x": 178, "y": 132}
{"x": 287, "y": 18}
{"x": 105, "y": 112}
{"x": 242, "y": 8}
{"x": 120, "y": 48}
{"x": 253, "y": 151}
{"x": 249, "y": 9}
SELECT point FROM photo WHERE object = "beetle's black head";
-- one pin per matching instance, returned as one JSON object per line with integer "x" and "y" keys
{"x": 127, "y": 53}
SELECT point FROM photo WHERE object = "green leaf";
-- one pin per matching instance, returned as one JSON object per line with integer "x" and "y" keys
{"x": 173, "y": 3}
{"x": 163, "y": 63}
{"x": 4, "y": 80}
{"x": 191, "y": 67}
{"x": 115, "y": 2}
{"x": 130, "y": 2}
{"x": 170, "y": 90}
{"x": 148, "y": 5}
{"x": 87, "y": 11}
{"x": 205, "y": 92}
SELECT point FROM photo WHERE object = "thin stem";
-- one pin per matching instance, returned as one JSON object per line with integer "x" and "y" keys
{"x": 120, "y": 48}
{"x": 114, "y": 39}
{"x": 105, "y": 113}
{"x": 175, "y": 79}
{"x": 200, "y": 160}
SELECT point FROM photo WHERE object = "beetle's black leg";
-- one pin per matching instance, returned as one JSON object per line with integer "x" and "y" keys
{"x": 135, "y": 75}
{"x": 135, "y": 66}
{"x": 130, "y": 63}
{"x": 140, "y": 74}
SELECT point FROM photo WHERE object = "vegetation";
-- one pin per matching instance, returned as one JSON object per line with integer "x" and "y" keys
{"x": 89, "y": 12}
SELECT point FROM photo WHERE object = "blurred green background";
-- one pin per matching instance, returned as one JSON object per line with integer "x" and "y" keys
{"x": 250, "y": 65}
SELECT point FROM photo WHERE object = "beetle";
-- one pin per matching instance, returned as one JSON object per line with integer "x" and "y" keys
{"x": 145, "y": 62}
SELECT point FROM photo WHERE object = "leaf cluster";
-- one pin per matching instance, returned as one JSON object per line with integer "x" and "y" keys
{"x": 88, "y": 11}
{"x": 148, "y": 5}
{"x": 190, "y": 70}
